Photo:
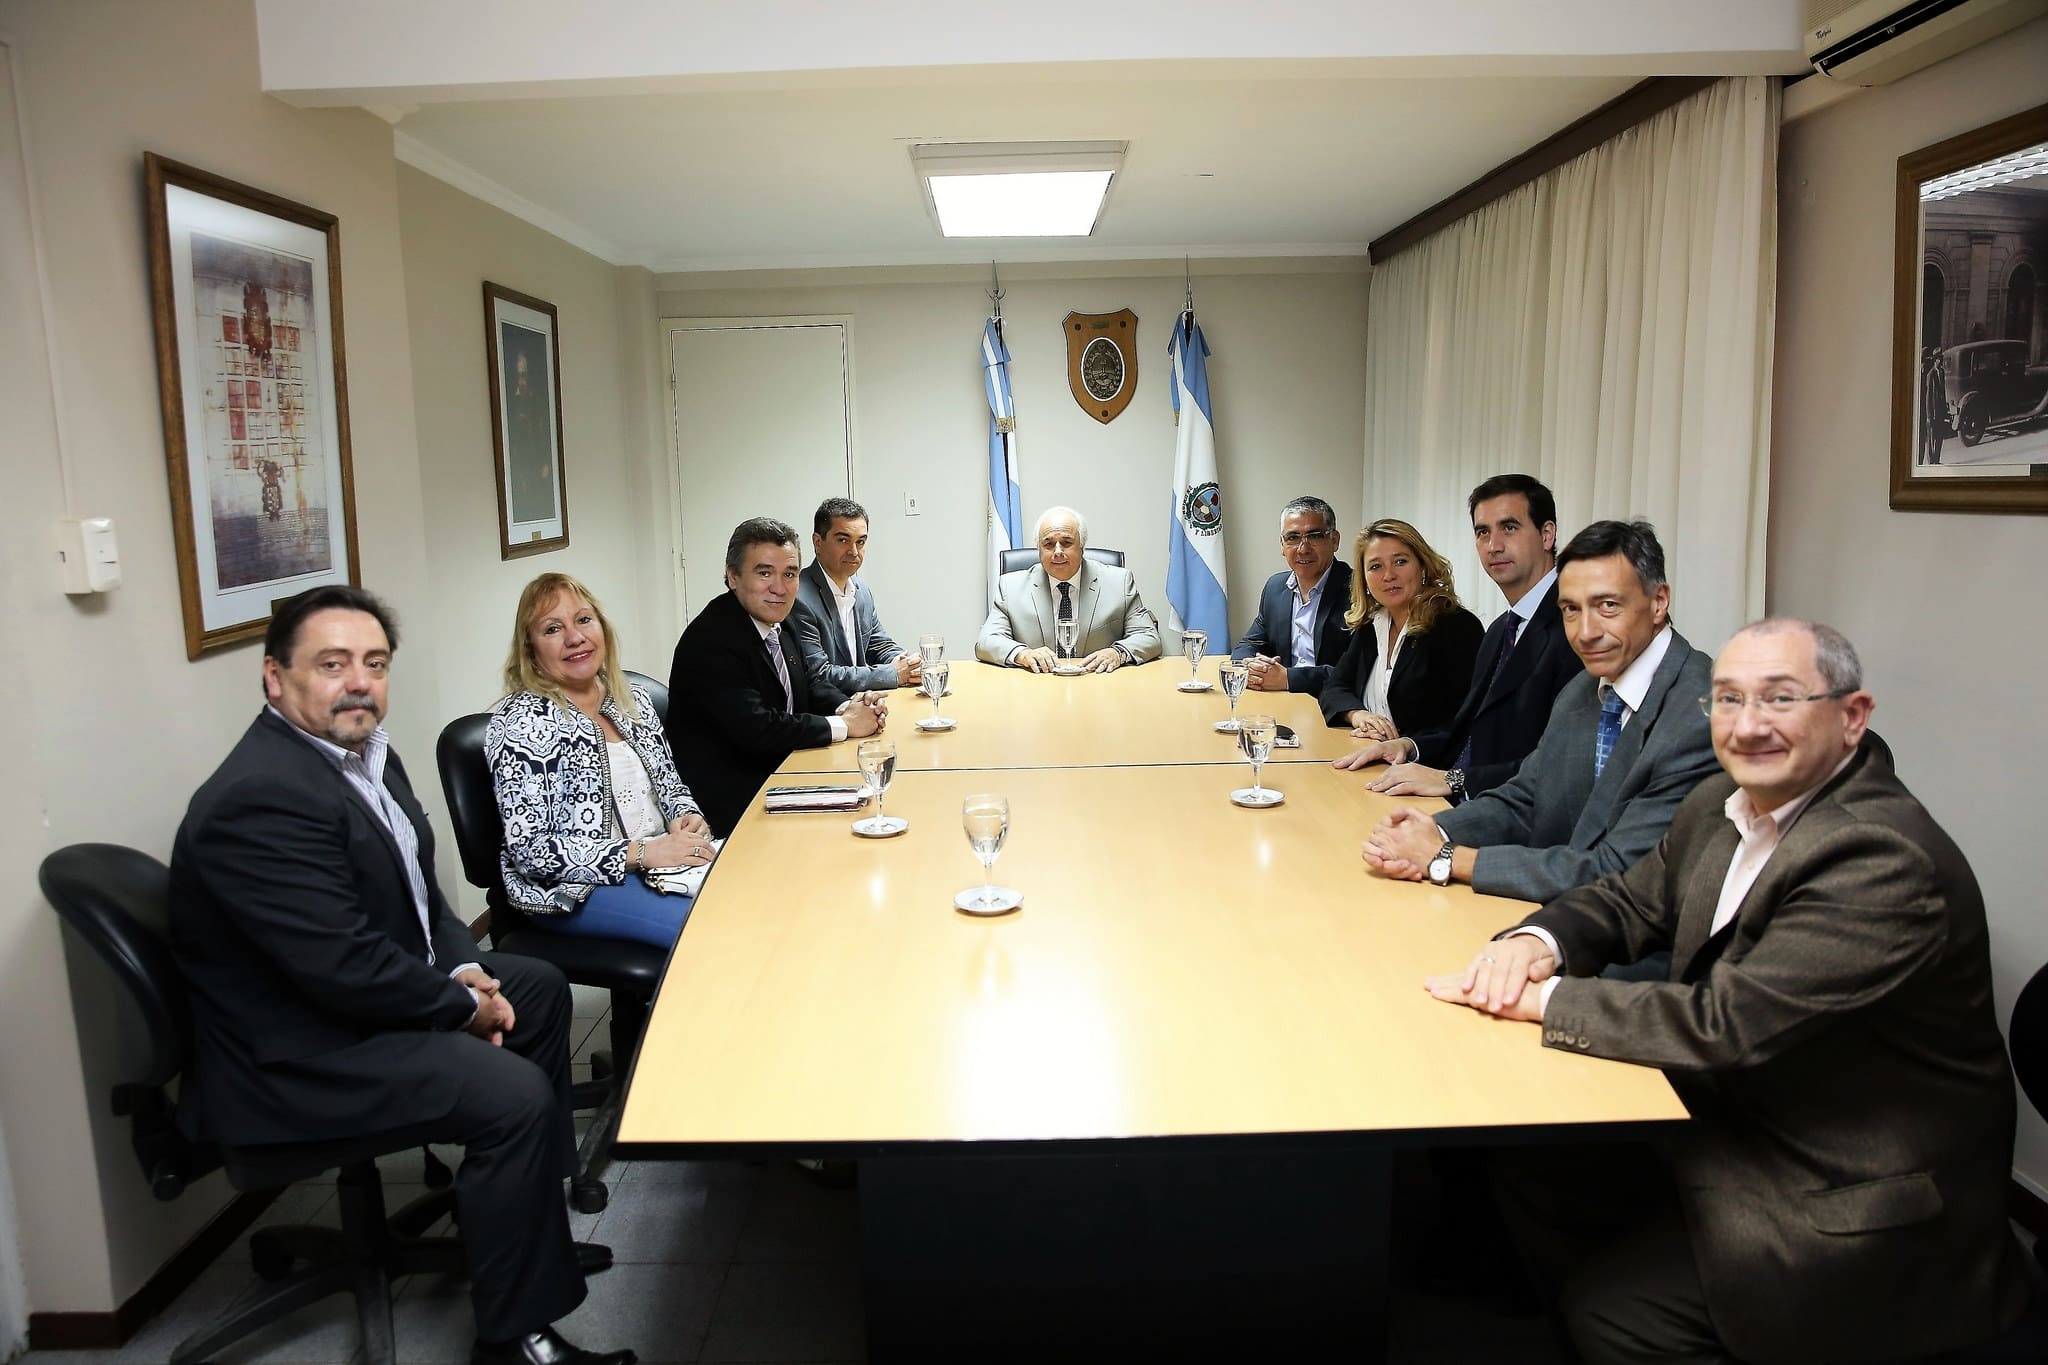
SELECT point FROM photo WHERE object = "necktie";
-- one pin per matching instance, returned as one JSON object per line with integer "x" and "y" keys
{"x": 1500, "y": 665}
{"x": 1066, "y": 601}
{"x": 774, "y": 644}
{"x": 1610, "y": 730}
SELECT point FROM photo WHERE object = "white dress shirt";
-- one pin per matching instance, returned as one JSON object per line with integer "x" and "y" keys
{"x": 843, "y": 598}
{"x": 1634, "y": 682}
{"x": 1382, "y": 664}
{"x": 1303, "y": 639}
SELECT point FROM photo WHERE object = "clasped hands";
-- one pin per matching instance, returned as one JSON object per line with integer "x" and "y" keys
{"x": 494, "y": 1017}
{"x": 1265, "y": 673}
{"x": 687, "y": 844}
{"x": 1503, "y": 979}
{"x": 1043, "y": 659}
{"x": 865, "y": 713}
{"x": 1401, "y": 778}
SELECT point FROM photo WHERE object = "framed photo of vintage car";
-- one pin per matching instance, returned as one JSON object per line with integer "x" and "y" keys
{"x": 525, "y": 364}
{"x": 254, "y": 392}
{"x": 1970, "y": 322}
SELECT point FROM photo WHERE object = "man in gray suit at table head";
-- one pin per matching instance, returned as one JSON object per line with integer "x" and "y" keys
{"x": 839, "y": 630}
{"x": 1113, "y": 628}
{"x": 1625, "y": 744}
{"x": 1827, "y": 1017}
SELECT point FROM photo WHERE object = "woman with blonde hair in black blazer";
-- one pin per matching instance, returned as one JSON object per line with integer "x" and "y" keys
{"x": 1412, "y": 643}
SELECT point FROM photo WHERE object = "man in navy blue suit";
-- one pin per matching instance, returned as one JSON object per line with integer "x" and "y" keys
{"x": 1299, "y": 631}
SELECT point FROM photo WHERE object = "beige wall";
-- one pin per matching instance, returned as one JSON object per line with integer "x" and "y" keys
{"x": 1942, "y": 606}
{"x": 1286, "y": 375}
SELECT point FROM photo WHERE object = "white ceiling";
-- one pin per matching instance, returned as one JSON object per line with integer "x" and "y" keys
{"x": 692, "y": 137}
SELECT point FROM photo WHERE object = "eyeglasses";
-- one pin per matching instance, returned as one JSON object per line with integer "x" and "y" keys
{"x": 1728, "y": 705}
{"x": 1294, "y": 538}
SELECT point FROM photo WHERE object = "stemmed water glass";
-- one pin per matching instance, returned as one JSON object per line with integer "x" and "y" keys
{"x": 1065, "y": 632}
{"x": 1194, "y": 644}
{"x": 878, "y": 765}
{"x": 931, "y": 651}
{"x": 1256, "y": 739}
{"x": 986, "y": 819}
{"x": 1233, "y": 675}
{"x": 934, "y": 686}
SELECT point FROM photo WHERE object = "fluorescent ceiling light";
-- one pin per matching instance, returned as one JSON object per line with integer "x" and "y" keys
{"x": 1017, "y": 189}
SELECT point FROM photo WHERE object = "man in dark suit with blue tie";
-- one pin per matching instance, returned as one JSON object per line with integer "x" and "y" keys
{"x": 1299, "y": 631}
{"x": 836, "y": 623}
{"x": 1524, "y": 661}
{"x": 741, "y": 697}
{"x": 1626, "y": 743}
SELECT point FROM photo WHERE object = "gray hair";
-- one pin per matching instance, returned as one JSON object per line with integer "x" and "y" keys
{"x": 1080, "y": 524}
{"x": 1306, "y": 503}
{"x": 1833, "y": 655}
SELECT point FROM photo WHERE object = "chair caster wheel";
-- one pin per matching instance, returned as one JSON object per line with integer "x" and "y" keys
{"x": 270, "y": 1261}
{"x": 588, "y": 1196}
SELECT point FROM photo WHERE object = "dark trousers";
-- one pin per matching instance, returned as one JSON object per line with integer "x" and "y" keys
{"x": 1601, "y": 1235}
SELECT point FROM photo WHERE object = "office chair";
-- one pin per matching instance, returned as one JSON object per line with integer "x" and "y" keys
{"x": 630, "y": 971}
{"x": 114, "y": 898}
{"x": 1013, "y": 560}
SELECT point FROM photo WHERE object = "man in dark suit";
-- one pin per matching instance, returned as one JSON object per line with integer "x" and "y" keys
{"x": 1299, "y": 631}
{"x": 1624, "y": 745}
{"x": 839, "y": 630}
{"x": 741, "y": 697}
{"x": 334, "y": 993}
{"x": 1840, "y": 1191}
{"x": 1524, "y": 660}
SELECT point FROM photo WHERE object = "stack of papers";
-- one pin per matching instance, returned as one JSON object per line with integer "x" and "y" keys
{"x": 814, "y": 798}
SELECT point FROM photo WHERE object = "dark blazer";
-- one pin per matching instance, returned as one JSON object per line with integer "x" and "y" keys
{"x": 1844, "y": 1176}
{"x": 726, "y": 723}
{"x": 1272, "y": 631}
{"x": 294, "y": 924}
{"x": 1551, "y": 827}
{"x": 861, "y": 665}
{"x": 1430, "y": 675}
{"x": 1504, "y": 721}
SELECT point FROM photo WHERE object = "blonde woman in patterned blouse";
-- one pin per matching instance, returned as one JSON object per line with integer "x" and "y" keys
{"x": 585, "y": 780}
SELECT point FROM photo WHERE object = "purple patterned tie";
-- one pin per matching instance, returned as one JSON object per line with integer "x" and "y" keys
{"x": 774, "y": 643}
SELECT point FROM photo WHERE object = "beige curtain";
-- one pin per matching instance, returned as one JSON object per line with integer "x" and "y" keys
{"x": 1606, "y": 328}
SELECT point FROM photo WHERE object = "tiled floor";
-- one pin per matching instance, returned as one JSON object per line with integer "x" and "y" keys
{"x": 715, "y": 1262}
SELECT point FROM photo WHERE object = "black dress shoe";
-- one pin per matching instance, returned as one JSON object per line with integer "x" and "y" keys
{"x": 545, "y": 1347}
{"x": 592, "y": 1257}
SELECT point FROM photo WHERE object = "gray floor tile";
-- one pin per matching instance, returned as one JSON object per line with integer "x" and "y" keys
{"x": 707, "y": 1173}
{"x": 319, "y": 1334}
{"x": 591, "y": 1002}
{"x": 675, "y": 1224}
{"x": 794, "y": 1218}
{"x": 788, "y": 1312}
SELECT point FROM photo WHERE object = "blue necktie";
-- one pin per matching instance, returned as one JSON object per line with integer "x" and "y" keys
{"x": 1500, "y": 665}
{"x": 1610, "y": 730}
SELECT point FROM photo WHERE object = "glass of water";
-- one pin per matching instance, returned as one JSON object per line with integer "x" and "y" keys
{"x": 1066, "y": 632}
{"x": 878, "y": 765}
{"x": 1194, "y": 644}
{"x": 931, "y": 651}
{"x": 1257, "y": 740}
{"x": 986, "y": 819}
{"x": 1233, "y": 675}
{"x": 934, "y": 686}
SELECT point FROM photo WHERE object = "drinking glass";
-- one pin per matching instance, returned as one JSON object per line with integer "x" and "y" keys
{"x": 986, "y": 819}
{"x": 878, "y": 765}
{"x": 931, "y": 651}
{"x": 1233, "y": 675}
{"x": 934, "y": 686}
{"x": 1194, "y": 644}
{"x": 1257, "y": 739}
{"x": 1065, "y": 632}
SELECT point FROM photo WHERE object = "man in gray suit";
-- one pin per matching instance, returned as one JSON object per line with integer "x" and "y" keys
{"x": 837, "y": 627}
{"x": 1626, "y": 742}
{"x": 1113, "y": 628}
{"x": 1827, "y": 1017}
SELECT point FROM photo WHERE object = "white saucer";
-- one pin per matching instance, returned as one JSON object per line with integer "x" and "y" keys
{"x": 880, "y": 827}
{"x": 1068, "y": 670}
{"x": 1259, "y": 800}
{"x": 1197, "y": 685}
{"x": 1228, "y": 727}
{"x": 1007, "y": 898}
{"x": 933, "y": 724}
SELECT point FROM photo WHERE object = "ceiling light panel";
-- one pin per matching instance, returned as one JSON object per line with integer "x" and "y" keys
{"x": 1016, "y": 189}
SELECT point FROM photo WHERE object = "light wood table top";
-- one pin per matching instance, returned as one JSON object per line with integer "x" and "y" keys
{"x": 1012, "y": 718}
{"x": 1180, "y": 966}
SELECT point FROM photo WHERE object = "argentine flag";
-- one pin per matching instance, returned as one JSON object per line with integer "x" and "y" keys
{"x": 1005, "y": 503}
{"x": 1194, "y": 546}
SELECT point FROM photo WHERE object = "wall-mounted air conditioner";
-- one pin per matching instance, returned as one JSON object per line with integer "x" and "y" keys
{"x": 1869, "y": 42}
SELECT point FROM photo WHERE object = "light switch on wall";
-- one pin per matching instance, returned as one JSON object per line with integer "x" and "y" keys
{"x": 911, "y": 506}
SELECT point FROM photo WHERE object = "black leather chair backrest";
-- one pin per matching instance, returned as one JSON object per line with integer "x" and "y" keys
{"x": 116, "y": 899}
{"x": 1013, "y": 560}
{"x": 2027, "y": 1039}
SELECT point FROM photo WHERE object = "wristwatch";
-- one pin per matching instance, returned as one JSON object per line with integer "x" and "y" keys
{"x": 1440, "y": 865}
{"x": 1455, "y": 780}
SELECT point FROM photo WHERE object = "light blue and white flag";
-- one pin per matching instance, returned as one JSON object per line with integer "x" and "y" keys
{"x": 1194, "y": 547}
{"x": 1005, "y": 502}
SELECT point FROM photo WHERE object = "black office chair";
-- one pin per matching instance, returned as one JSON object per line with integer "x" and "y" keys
{"x": 1013, "y": 560}
{"x": 114, "y": 898}
{"x": 630, "y": 971}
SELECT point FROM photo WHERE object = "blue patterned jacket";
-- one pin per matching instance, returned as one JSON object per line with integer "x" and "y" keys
{"x": 554, "y": 785}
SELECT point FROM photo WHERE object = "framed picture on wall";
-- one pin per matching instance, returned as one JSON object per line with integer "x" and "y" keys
{"x": 526, "y": 422}
{"x": 254, "y": 389}
{"x": 1970, "y": 322}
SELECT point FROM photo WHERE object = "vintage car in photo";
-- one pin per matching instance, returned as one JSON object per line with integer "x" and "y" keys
{"x": 1981, "y": 388}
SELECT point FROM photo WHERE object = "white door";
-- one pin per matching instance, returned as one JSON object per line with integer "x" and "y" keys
{"x": 762, "y": 427}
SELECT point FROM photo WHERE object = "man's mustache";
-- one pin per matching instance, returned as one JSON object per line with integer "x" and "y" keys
{"x": 351, "y": 701}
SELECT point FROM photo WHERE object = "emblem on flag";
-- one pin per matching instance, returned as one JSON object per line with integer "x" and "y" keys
{"x": 1202, "y": 509}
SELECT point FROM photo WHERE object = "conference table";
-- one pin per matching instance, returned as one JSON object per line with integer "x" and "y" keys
{"x": 1150, "y": 1113}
